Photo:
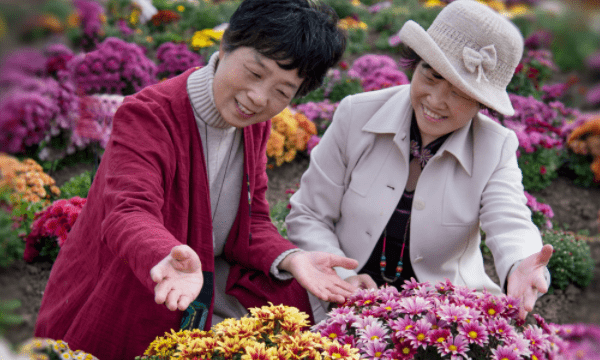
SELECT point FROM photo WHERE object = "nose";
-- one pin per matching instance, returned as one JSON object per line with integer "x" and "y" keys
{"x": 439, "y": 94}
{"x": 258, "y": 95}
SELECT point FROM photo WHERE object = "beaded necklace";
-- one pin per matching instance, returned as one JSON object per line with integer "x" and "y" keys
{"x": 423, "y": 155}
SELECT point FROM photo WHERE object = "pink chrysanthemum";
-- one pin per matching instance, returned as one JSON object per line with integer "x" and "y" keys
{"x": 474, "y": 332}
{"x": 504, "y": 353}
{"x": 455, "y": 346}
{"x": 419, "y": 334}
{"x": 453, "y": 313}
{"x": 375, "y": 350}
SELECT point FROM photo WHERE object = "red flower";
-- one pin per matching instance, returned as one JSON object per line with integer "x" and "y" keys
{"x": 543, "y": 170}
{"x": 519, "y": 68}
{"x": 343, "y": 65}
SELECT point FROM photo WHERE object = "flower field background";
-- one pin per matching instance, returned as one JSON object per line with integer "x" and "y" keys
{"x": 66, "y": 65}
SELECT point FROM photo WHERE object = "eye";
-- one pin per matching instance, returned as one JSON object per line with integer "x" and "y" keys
{"x": 256, "y": 75}
{"x": 283, "y": 94}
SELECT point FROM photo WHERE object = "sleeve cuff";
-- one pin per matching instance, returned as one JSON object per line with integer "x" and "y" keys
{"x": 282, "y": 275}
{"x": 547, "y": 277}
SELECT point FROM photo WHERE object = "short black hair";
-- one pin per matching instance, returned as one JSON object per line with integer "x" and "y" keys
{"x": 409, "y": 59}
{"x": 298, "y": 34}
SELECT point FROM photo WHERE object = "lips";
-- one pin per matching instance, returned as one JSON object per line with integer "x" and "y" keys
{"x": 432, "y": 116}
{"x": 243, "y": 111}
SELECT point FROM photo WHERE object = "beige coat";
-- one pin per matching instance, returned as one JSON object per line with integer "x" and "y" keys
{"x": 358, "y": 173}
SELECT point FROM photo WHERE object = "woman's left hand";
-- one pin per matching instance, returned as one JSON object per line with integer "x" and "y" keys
{"x": 528, "y": 280}
{"x": 314, "y": 271}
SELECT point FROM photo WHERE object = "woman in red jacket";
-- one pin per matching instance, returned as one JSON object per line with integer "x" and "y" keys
{"x": 177, "y": 213}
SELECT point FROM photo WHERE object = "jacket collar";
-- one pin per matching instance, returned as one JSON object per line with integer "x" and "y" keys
{"x": 394, "y": 118}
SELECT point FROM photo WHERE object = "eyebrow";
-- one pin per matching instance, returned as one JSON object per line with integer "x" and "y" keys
{"x": 428, "y": 67}
{"x": 261, "y": 64}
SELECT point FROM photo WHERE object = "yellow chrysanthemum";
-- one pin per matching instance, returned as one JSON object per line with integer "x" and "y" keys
{"x": 356, "y": 2}
{"x": 495, "y": 4}
{"x": 275, "y": 144}
{"x": 206, "y": 37}
{"x": 180, "y": 8}
{"x": 350, "y": 23}
{"x": 518, "y": 10}
{"x": 134, "y": 17}
{"x": 433, "y": 3}
{"x": 73, "y": 20}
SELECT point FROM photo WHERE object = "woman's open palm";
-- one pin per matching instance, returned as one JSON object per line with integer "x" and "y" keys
{"x": 179, "y": 278}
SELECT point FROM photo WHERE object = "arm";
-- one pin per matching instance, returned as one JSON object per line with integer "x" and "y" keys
{"x": 136, "y": 172}
{"x": 316, "y": 206}
{"x": 510, "y": 233}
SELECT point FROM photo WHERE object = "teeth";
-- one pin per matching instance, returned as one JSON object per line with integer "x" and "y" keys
{"x": 244, "y": 110}
{"x": 431, "y": 114}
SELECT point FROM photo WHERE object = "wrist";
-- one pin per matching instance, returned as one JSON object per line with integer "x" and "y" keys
{"x": 287, "y": 263}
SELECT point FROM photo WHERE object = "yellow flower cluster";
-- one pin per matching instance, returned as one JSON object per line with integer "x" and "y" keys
{"x": 205, "y": 38}
{"x": 290, "y": 133}
{"x": 267, "y": 333}
{"x": 38, "y": 348}
{"x": 26, "y": 181}
{"x": 350, "y": 23}
{"x": 498, "y": 5}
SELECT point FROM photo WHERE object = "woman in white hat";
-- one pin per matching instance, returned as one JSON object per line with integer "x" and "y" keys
{"x": 404, "y": 177}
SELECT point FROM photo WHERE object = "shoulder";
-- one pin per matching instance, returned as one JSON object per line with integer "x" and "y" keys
{"x": 489, "y": 134}
{"x": 360, "y": 108}
{"x": 170, "y": 93}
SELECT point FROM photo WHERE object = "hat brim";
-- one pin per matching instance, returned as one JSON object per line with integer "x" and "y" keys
{"x": 415, "y": 37}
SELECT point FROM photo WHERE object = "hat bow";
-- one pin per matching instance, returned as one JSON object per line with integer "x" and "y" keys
{"x": 480, "y": 61}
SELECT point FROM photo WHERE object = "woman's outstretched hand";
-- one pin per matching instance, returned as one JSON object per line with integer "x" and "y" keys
{"x": 362, "y": 281}
{"x": 179, "y": 278}
{"x": 528, "y": 280}
{"x": 314, "y": 271}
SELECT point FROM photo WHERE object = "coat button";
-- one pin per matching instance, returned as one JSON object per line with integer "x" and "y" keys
{"x": 418, "y": 259}
{"x": 419, "y": 204}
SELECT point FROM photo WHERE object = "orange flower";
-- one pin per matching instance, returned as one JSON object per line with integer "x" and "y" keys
{"x": 584, "y": 140}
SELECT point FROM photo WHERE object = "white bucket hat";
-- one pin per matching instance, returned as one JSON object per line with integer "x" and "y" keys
{"x": 473, "y": 47}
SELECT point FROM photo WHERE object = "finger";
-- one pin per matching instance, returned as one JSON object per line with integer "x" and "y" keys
{"x": 161, "y": 290}
{"x": 368, "y": 282}
{"x": 173, "y": 299}
{"x": 342, "y": 261}
{"x": 544, "y": 255}
{"x": 540, "y": 284}
{"x": 156, "y": 273}
{"x": 184, "y": 302}
{"x": 180, "y": 252}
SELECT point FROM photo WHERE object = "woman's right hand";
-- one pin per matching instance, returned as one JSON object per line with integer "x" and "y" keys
{"x": 362, "y": 281}
{"x": 179, "y": 278}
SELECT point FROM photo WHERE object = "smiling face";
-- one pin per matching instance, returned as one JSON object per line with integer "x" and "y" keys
{"x": 439, "y": 106}
{"x": 250, "y": 88}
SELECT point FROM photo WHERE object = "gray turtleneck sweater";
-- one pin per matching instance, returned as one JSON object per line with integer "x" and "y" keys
{"x": 224, "y": 155}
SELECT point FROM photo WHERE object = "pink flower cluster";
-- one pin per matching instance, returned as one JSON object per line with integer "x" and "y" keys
{"x": 321, "y": 113}
{"x": 52, "y": 223}
{"x": 115, "y": 67}
{"x": 445, "y": 321}
{"x": 544, "y": 209}
{"x": 25, "y": 118}
{"x": 173, "y": 59}
{"x": 90, "y": 14}
{"x": 377, "y": 72}
{"x": 538, "y": 124}
{"x": 583, "y": 341}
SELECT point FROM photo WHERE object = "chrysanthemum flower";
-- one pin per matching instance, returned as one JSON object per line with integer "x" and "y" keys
{"x": 474, "y": 332}
{"x": 453, "y": 313}
{"x": 375, "y": 350}
{"x": 455, "y": 346}
{"x": 419, "y": 334}
{"x": 372, "y": 333}
{"x": 415, "y": 305}
{"x": 504, "y": 353}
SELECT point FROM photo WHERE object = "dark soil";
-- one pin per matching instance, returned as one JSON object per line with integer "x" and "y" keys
{"x": 574, "y": 207}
